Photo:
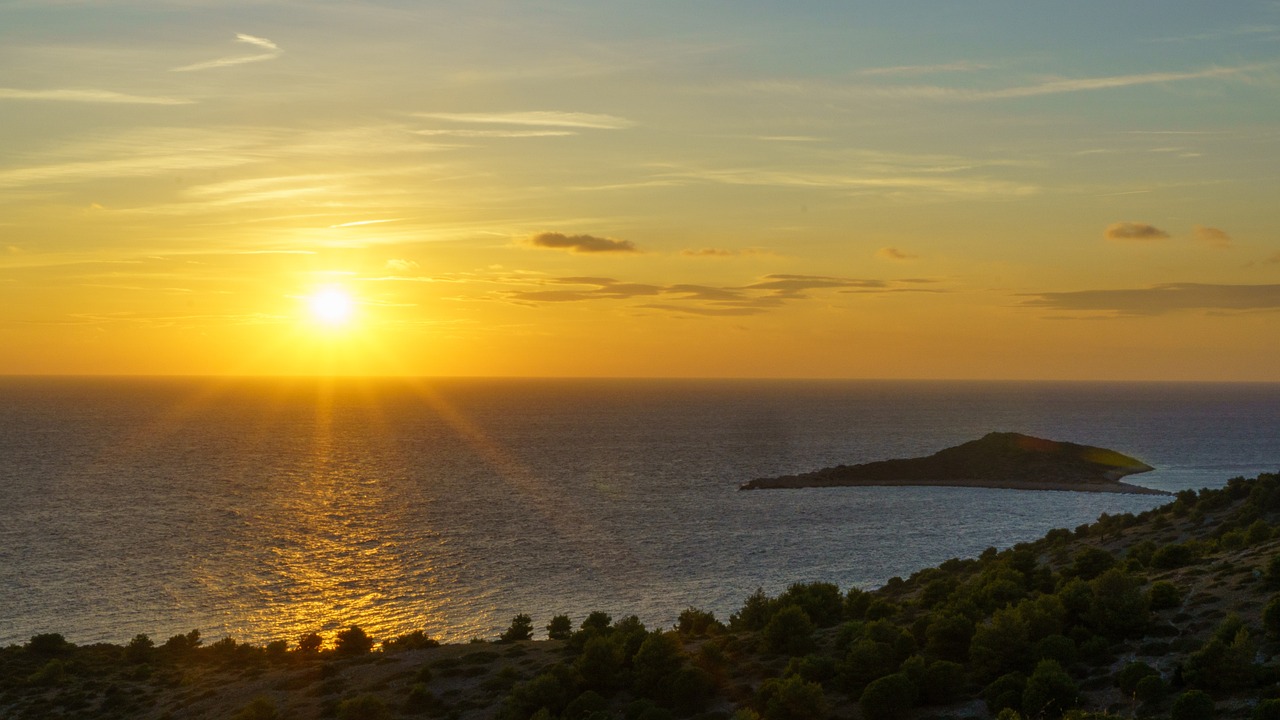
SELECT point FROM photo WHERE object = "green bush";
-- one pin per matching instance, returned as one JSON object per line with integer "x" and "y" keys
{"x": 1164, "y": 595}
{"x": 364, "y": 707}
{"x": 1128, "y": 677}
{"x": 695, "y": 622}
{"x": 1005, "y": 692}
{"x": 1192, "y": 705}
{"x": 1271, "y": 618}
{"x": 260, "y": 708}
{"x": 310, "y": 643}
{"x": 820, "y": 601}
{"x": 1150, "y": 690}
{"x": 1050, "y": 691}
{"x": 790, "y": 632}
{"x": 1267, "y": 710}
{"x": 792, "y": 698}
{"x": 890, "y": 697}
{"x": 1173, "y": 556}
{"x": 49, "y": 645}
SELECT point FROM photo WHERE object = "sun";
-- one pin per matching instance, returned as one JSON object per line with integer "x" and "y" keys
{"x": 331, "y": 306}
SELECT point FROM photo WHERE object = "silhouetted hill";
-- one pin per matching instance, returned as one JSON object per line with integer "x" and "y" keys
{"x": 1003, "y": 460}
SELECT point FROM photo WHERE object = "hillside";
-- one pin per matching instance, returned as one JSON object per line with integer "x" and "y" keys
{"x": 1173, "y": 612}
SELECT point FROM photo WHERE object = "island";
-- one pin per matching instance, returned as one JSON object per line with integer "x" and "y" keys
{"x": 997, "y": 460}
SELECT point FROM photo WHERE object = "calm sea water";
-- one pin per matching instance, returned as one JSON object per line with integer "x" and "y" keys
{"x": 263, "y": 509}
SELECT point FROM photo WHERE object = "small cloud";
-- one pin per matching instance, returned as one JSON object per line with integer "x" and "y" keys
{"x": 892, "y": 253}
{"x": 581, "y": 243}
{"x": 397, "y": 265}
{"x": 473, "y": 133}
{"x": 1213, "y": 237}
{"x": 537, "y": 118}
{"x": 12, "y": 249}
{"x": 273, "y": 51}
{"x": 96, "y": 207}
{"x": 1133, "y": 231}
{"x": 1273, "y": 260}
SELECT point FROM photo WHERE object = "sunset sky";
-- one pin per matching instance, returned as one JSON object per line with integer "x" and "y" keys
{"x": 976, "y": 189}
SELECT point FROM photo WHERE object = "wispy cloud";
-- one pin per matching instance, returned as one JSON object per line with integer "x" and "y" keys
{"x": 724, "y": 252}
{"x": 1133, "y": 231}
{"x": 928, "y": 182}
{"x": 1213, "y": 237}
{"x": 944, "y": 93}
{"x": 472, "y": 133}
{"x": 580, "y": 243}
{"x": 89, "y": 96}
{"x": 960, "y": 66}
{"x": 767, "y": 293}
{"x": 893, "y": 253}
{"x": 538, "y": 118}
{"x": 1162, "y": 299}
{"x": 273, "y": 51}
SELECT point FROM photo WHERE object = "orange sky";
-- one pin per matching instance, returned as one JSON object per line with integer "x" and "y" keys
{"x": 588, "y": 189}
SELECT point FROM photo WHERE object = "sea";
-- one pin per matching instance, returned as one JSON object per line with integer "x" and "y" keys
{"x": 263, "y": 509}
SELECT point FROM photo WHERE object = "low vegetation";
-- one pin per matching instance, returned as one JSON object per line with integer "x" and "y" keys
{"x": 1173, "y": 613}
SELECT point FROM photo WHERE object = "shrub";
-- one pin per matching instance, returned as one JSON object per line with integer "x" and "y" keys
{"x": 754, "y": 614}
{"x": 1164, "y": 595}
{"x": 1151, "y": 689}
{"x": 363, "y": 707}
{"x": 584, "y": 706}
{"x": 1267, "y": 710}
{"x": 597, "y": 621}
{"x": 560, "y": 628}
{"x": 948, "y": 636}
{"x": 855, "y": 604}
{"x": 943, "y": 682}
{"x": 1091, "y": 562}
{"x": 139, "y": 650}
{"x": 697, "y": 622}
{"x": 792, "y": 698}
{"x": 1192, "y": 705}
{"x": 52, "y": 673}
{"x": 260, "y": 708}
{"x": 790, "y": 631}
{"x": 1271, "y": 618}
{"x": 421, "y": 700}
{"x": 658, "y": 658}
{"x": 1005, "y": 692}
{"x": 48, "y": 645}
{"x": 353, "y": 641}
{"x": 891, "y": 696}
{"x": 1173, "y": 556}
{"x": 310, "y": 643}
{"x": 820, "y": 601}
{"x": 1050, "y": 691}
{"x": 1128, "y": 677}
{"x": 416, "y": 640}
{"x": 521, "y": 629}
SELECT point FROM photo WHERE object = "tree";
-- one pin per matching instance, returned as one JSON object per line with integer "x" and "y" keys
{"x": 790, "y": 631}
{"x": 521, "y": 629}
{"x": 352, "y": 642}
{"x": 792, "y": 698}
{"x": 891, "y": 696}
{"x": 139, "y": 650}
{"x": 1050, "y": 691}
{"x": 1164, "y": 595}
{"x": 310, "y": 643}
{"x": 560, "y": 628}
{"x": 260, "y": 708}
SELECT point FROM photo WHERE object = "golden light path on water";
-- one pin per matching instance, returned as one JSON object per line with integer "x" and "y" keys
{"x": 331, "y": 561}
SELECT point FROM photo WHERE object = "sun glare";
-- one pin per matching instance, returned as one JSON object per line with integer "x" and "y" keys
{"x": 331, "y": 306}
